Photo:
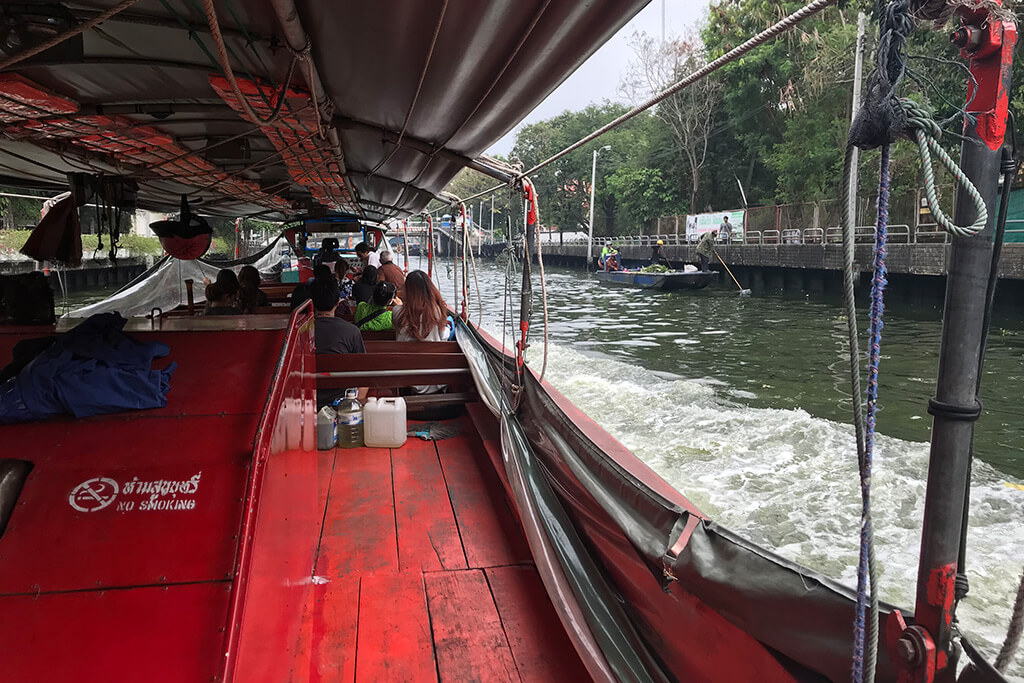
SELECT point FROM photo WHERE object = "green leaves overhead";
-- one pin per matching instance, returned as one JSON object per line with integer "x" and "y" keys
{"x": 773, "y": 122}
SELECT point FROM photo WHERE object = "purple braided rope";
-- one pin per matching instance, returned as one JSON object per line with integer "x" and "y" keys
{"x": 874, "y": 355}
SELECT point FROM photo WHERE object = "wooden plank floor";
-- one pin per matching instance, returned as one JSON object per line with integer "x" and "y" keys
{"x": 423, "y": 573}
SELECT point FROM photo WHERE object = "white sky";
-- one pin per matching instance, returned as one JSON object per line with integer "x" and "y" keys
{"x": 598, "y": 78}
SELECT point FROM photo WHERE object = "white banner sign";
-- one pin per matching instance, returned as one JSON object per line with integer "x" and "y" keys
{"x": 697, "y": 225}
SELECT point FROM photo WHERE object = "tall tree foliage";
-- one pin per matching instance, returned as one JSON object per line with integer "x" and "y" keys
{"x": 689, "y": 113}
{"x": 773, "y": 127}
{"x": 564, "y": 185}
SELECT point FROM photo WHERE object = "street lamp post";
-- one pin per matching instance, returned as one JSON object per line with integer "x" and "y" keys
{"x": 593, "y": 181}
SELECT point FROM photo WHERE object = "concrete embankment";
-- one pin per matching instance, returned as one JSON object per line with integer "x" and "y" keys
{"x": 917, "y": 271}
{"x": 93, "y": 274}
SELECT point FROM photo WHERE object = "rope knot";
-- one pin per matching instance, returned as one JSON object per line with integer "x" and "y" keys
{"x": 918, "y": 118}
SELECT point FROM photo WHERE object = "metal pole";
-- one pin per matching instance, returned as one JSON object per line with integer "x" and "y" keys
{"x": 955, "y": 406}
{"x": 590, "y": 241}
{"x": 858, "y": 73}
{"x": 492, "y": 219}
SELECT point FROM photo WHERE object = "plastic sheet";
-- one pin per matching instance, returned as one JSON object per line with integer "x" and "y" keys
{"x": 163, "y": 285}
{"x": 678, "y": 575}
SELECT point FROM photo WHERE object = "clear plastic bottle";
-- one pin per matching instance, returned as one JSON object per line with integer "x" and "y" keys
{"x": 350, "y": 421}
{"x": 326, "y": 428}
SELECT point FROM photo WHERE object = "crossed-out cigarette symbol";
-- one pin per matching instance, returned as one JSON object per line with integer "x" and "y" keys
{"x": 93, "y": 494}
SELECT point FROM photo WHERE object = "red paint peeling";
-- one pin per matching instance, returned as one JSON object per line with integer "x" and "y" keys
{"x": 942, "y": 660}
{"x": 987, "y": 93}
{"x": 941, "y": 590}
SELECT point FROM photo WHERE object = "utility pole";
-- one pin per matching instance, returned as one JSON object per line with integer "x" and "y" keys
{"x": 590, "y": 225}
{"x": 858, "y": 73}
{"x": 593, "y": 182}
{"x": 492, "y": 218}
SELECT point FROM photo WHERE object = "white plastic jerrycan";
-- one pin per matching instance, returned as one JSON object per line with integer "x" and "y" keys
{"x": 384, "y": 422}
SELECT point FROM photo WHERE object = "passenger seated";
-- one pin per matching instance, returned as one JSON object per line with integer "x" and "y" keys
{"x": 345, "y": 277}
{"x": 375, "y": 314}
{"x": 227, "y": 281}
{"x": 220, "y": 300}
{"x": 327, "y": 253}
{"x": 250, "y": 296}
{"x": 331, "y": 334}
{"x": 301, "y": 294}
{"x": 363, "y": 289}
{"x": 423, "y": 316}
{"x": 611, "y": 263}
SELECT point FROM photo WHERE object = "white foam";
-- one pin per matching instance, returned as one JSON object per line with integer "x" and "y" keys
{"x": 789, "y": 481}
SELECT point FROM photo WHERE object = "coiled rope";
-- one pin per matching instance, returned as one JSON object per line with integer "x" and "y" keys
{"x": 926, "y": 133}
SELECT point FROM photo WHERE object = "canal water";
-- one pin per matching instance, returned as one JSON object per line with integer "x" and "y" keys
{"x": 741, "y": 403}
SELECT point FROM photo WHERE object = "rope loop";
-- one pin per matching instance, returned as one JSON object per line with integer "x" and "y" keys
{"x": 925, "y": 131}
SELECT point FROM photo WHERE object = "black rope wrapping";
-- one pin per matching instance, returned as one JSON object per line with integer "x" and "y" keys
{"x": 882, "y": 118}
{"x": 954, "y": 411}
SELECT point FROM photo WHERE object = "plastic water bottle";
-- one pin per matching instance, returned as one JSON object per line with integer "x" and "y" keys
{"x": 326, "y": 428}
{"x": 350, "y": 421}
{"x": 286, "y": 261}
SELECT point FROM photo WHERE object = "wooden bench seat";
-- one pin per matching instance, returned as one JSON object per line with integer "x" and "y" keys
{"x": 392, "y": 364}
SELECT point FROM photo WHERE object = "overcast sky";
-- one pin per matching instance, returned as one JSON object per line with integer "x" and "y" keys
{"x": 598, "y": 79}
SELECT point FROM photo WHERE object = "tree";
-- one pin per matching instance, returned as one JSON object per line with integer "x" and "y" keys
{"x": 689, "y": 113}
{"x": 564, "y": 186}
{"x": 641, "y": 192}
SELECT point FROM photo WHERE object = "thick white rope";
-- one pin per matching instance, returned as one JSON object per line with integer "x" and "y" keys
{"x": 730, "y": 56}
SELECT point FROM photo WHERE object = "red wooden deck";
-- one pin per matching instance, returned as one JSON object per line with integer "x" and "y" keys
{"x": 428, "y": 576}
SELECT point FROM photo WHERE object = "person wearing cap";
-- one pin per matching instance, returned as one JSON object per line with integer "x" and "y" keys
{"x": 376, "y": 313}
{"x": 657, "y": 258}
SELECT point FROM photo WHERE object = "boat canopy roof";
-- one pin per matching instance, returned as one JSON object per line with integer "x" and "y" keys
{"x": 386, "y": 101}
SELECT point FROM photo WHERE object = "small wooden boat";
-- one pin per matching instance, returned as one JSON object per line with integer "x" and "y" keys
{"x": 670, "y": 281}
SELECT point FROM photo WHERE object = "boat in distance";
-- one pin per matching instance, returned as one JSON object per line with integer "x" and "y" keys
{"x": 669, "y": 281}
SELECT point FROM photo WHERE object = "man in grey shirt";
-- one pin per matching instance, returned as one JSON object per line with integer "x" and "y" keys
{"x": 725, "y": 230}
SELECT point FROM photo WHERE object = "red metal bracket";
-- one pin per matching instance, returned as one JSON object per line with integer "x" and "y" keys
{"x": 988, "y": 44}
{"x": 911, "y": 650}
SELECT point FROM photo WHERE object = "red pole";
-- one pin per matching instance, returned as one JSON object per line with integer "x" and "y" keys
{"x": 430, "y": 246}
{"x": 925, "y": 650}
{"x": 238, "y": 223}
{"x": 465, "y": 289}
{"x": 405, "y": 243}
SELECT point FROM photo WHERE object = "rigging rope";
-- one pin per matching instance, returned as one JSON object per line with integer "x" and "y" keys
{"x": 71, "y": 33}
{"x": 416, "y": 93}
{"x": 883, "y": 117}
{"x": 229, "y": 74}
{"x": 1013, "y": 633}
{"x": 532, "y": 198}
{"x": 730, "y": 56}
